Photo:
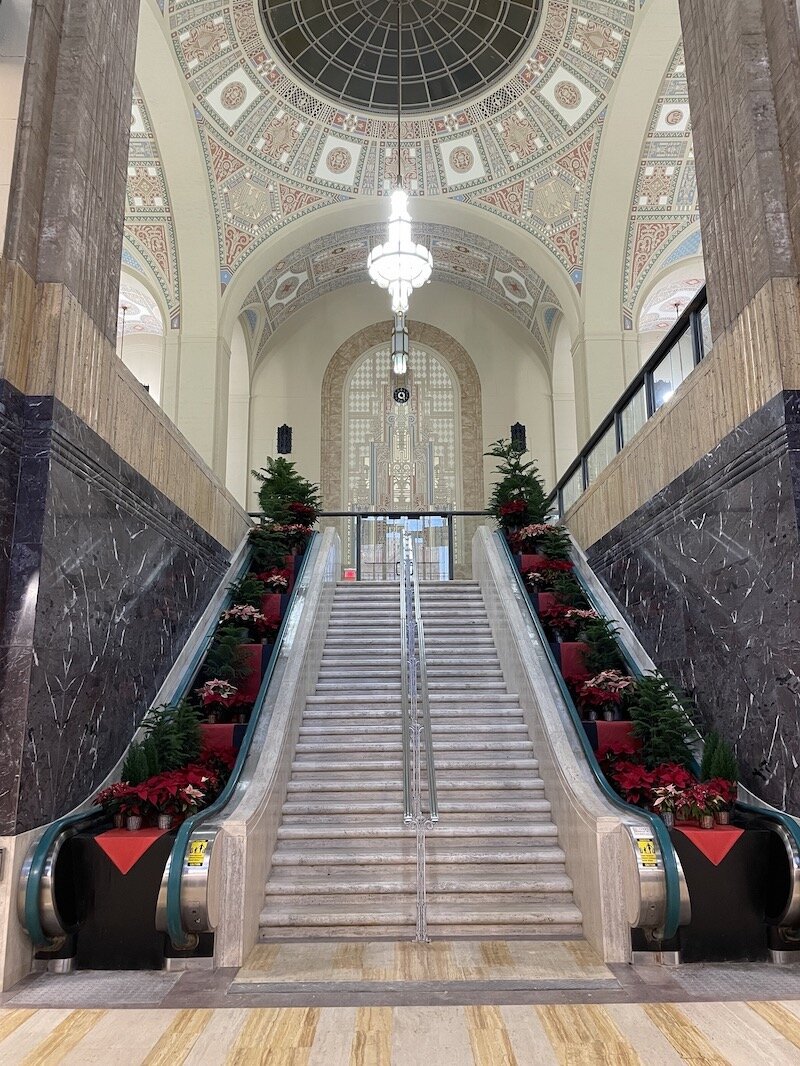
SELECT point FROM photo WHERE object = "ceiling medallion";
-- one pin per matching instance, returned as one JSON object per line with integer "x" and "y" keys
{"x": 347, "y": 50}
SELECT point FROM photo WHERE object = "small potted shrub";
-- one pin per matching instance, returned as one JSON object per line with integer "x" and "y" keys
{"x": 247, "y": 618}
{"x": 567, "y": 622}
{"x": 518, "y": 499}
{"x": 667, "y": 800}
{"x": 275, "y": 581}
{"x": 720, "y": 767}
{"x": 110, "y": 799}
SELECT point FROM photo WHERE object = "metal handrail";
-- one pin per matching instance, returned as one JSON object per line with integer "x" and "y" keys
{"x": 688, "y": 322}
{"x": 405, "y": 655}
{"x": 182, "y": 939}
{"x": 422, "y": 678}
{"x": 39, "y": 866}
{"x": 673, "y": 905}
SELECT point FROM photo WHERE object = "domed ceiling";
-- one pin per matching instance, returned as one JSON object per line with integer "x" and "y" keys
{"x": 283, "y": 135}
{"x": 451, "y": 49}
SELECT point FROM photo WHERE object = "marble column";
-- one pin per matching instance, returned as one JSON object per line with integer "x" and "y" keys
{"x": 706, "y": 570}
{"x": 101, "y": 575}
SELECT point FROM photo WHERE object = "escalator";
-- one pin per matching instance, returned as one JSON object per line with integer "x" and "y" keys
{"x": 315, "y": 834}
{"x": 746, "y": 908}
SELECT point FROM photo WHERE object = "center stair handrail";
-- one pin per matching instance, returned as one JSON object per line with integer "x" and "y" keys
{"x": 422, "y": 678}
{"x": 672, "y": 902}
{"x": 406, "y": 624}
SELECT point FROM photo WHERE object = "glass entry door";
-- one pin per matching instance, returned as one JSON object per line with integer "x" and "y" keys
{"x": 381, "y": 543}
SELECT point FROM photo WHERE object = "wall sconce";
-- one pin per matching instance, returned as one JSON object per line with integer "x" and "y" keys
{"x": 519, "y": 437}
{"x": 284, "y": 440}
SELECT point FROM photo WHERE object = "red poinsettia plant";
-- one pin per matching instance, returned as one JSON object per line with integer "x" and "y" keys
{"x": 179, "y": 792}
{"x": 113, "y": 798}
{"x": 607, "y": 688}
{"x": 526, "y": 538}
{"x": 218, "y": 691}
{"x": 303, "y": 513}
{"x": 274, "y": 580}
{"x": 295, "y": 534}
{"x": 250, "y": 618}
{"x": 567, "y": 621}
{"x": 636, "y": 784}
{"x": 541, "y": 574}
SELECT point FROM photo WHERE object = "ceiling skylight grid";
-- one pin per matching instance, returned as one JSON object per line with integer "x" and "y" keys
{"x": 347, "y": 49}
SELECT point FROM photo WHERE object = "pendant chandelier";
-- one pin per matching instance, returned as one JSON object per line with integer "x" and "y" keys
{"x": 399, "y": 265}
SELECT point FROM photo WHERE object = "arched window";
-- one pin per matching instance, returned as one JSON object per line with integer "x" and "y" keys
{"x": 402, "y": 456}
{"x": 140, "y": 334}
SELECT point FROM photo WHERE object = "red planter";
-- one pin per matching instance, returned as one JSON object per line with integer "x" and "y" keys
{"x": 571, "y": 661}
{"x": 271, "y": 607}
{"x": 531, "y": 562}
{"x": 544, "y": 600}
{"x": 249, "y": 686}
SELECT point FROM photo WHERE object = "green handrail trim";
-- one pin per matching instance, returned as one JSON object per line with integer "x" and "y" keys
{"x": 660, "y": 832}
{"x": 177, "y": 934}
{"x": 32, "y": 916}
{"x": 768, "y": 814}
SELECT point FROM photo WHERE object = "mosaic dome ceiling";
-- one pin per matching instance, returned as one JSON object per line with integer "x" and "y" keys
{"x": 451, "y": 49}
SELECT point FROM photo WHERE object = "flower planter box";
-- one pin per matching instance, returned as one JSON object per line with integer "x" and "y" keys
{"x": 603, "y": 734}
{"x": 542, "y": 601}
{"x": 530, "y": 562}
{"x": 272, "y": 607}
{"x": 223, "y": 735}
{"x": 249, "y": 685}
{"x": 570, "y": 655}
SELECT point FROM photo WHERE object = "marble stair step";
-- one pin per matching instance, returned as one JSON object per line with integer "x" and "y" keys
{"x": 357, "y": 745}
{"x": 386, "y": 814}
{"x": 390, "y": 684}
{"x": 437, "y": 698}
{"x": 521, "y": 834}
{"x": 504, "y": 880}
{"x": 337, "y": 766}
{"x": 386, "y": 852}
{"x": 456, "y": 790}
{"x": 383, "y": 911}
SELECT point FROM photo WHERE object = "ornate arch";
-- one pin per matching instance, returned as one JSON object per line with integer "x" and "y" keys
{"x": 333, "y": 383}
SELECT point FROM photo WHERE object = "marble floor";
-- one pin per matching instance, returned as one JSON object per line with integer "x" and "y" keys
{"x": 652, "y": 1034}
{"x": 464, "y": 1003}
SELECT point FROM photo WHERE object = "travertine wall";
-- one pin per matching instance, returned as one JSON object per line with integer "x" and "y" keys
{"x": 695, "y": 525}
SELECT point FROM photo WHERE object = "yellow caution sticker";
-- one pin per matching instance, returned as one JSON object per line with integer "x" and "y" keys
{"x": 197, "y": 852}
{"x": 647, "y": 851}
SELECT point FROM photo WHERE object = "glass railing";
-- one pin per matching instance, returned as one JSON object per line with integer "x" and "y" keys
{"x": 372, "y": 542}
{"x": 674, "y": 359}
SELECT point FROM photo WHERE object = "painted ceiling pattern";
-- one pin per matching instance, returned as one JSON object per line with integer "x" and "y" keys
{"x": 149, "y": 228}
{"x": 665, "y": 198}
{"x": 524, "y": 151}
{"x": 666, "y": 302}
{"x": 138, "y": 310}
{"x": 461, "y": 258}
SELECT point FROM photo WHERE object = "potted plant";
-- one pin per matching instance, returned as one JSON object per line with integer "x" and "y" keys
{"x": 518, "y": 499}
{"x": 720, "y": 767}
{"x": 134, "y": 805}
{"x": 285, "y": 496}
{"x": 110, "y": 799}
{"x": 605, "y": 692}
{"x": 667, "y": 799}
{"x": 567, "y": 622}
{"x": 660, "y": 723}
{"x": 274, "y": 580}
{"x": 540, "y": 575}
{"x": 726, "y": 792}
{"x": 218, "y": 691}
{"x": 246, "y": 617}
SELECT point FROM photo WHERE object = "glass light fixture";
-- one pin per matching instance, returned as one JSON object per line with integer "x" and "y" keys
{"x": 399, "y": 264}
{"x": 400, "y": 345}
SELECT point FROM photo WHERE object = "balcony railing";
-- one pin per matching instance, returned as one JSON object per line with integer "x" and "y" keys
{"x": 674, "y": 359}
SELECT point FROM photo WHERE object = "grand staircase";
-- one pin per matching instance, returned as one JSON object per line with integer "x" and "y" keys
{"x": 345, "y": 864}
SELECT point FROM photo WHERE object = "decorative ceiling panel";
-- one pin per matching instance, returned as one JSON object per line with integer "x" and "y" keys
{"x": 461, "y": 258}
{"x": 665, "y": 199}
{"x": 149, "y": 228}
{"x": 525, "y": 150}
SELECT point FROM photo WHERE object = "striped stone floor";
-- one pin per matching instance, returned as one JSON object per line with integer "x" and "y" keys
{"x": 653, "y": 1034}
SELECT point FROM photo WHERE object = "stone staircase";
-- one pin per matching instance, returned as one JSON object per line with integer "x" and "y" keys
{"x": 345, "y": 865}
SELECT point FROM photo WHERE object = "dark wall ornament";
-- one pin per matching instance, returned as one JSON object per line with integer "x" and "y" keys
{"x": 284, "y": 440}
{"x": 519, "y": 437}
{"x": 401, "y": 394}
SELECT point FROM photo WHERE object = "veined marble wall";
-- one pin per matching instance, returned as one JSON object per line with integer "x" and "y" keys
{"x": 104, "y": 578}
{"x": 707, "y": 574}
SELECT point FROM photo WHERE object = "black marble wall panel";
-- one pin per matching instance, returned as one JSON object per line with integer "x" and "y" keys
{"x": 105, "y": 580}
{"x": 708, "y": 575}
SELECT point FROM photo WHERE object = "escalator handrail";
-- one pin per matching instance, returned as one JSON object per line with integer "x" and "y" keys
{"x": 767, "y": 813}
{"x": 672, "y": 910}
{"x": 179, "y": 937}
{"x": 36, "y": 866}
